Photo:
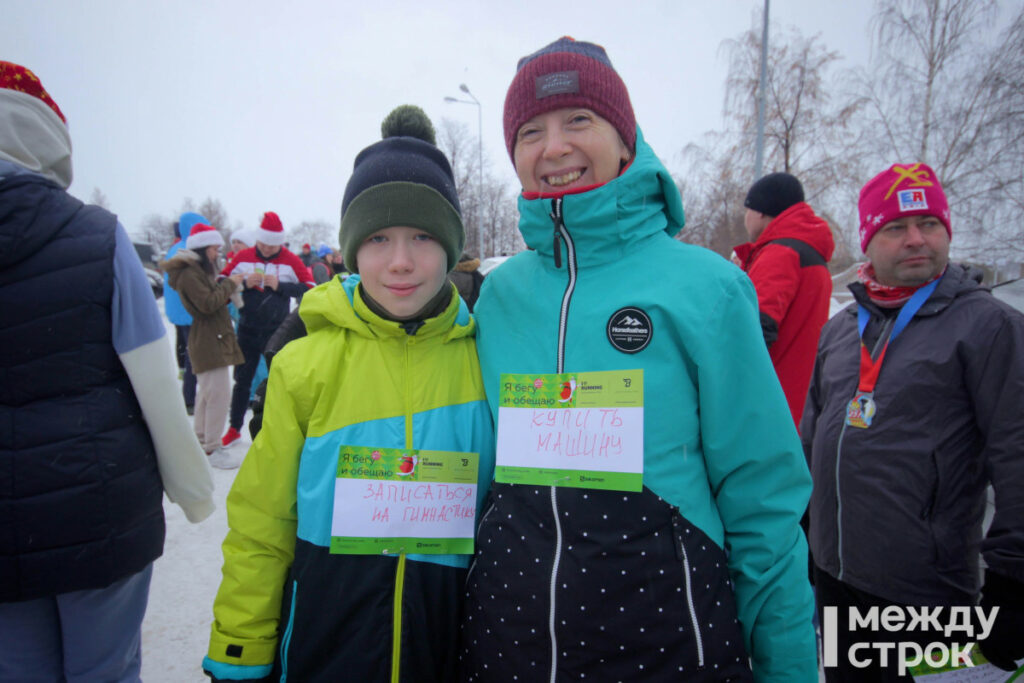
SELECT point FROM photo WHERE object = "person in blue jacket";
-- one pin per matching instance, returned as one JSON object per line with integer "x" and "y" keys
{"x": 178, "y": 316}
{"x": 651, "y": 532}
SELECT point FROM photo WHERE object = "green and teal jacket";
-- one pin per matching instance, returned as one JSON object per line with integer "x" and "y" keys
{"x": 288, "y": 608}
{"x": 703, "y": 570}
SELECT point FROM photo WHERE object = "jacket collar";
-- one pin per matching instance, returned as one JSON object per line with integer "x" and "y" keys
{"x": 340, "y": 304}
{"x": 797, "y": 222}
{"x": 957, "y": 281}
{"x": 642, "y": 202}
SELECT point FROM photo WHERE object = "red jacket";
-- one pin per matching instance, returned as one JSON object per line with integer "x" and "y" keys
{"x": 788, "y": 265}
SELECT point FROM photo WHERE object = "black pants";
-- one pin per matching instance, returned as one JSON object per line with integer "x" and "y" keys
{"x": 832, "y": 592}
{"x": 252, "y": 345}
{"x": 188, "y": 384}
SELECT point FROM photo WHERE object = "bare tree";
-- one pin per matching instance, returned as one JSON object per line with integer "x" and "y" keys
{"x": 807, "y": 133}
{"x": 959, "y": 108}
{"x": 314, "y": 233}
{"x": 713, "y": 186}
{"x": 159, "y": 231}
{"x": 99, "y": 199}
{"x": 488, "y": 211}
{"x": 799, "y": 118}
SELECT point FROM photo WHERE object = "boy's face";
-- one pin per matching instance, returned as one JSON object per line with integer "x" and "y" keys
{"x": 402, "y": 269}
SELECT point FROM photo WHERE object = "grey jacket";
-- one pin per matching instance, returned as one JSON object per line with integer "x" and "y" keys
{"x": 897, "y": 508}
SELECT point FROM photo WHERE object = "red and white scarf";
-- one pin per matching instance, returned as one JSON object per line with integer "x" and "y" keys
{"x": 886, "y": 296}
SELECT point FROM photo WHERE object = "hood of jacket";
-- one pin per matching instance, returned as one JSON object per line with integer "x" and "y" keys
{"x": 176, "y": 265}
{"x": 797, "y": 222}
{"x": 467, "y": 266}
{"x": 187, "y": 221}
{"x": 31, "y": 213}
{"x": 602, "y": 221}
{"x": 34, "y": 137}
{"x": 338, "y": 303}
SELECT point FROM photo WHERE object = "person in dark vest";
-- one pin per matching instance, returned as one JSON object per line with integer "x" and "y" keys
{"x": 93, "y": 430}
{"x": 787, "y": 260}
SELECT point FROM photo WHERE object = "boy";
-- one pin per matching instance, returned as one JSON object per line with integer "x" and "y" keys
{"x": 382, "y": 393}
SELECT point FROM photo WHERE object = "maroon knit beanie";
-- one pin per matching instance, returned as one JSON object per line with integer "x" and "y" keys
{"x": 568, "y": 73}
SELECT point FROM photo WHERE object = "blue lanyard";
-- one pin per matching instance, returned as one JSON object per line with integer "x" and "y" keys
{"x": 906, "y": 313}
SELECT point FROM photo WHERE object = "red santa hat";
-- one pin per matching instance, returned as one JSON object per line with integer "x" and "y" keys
{"x": 202, "y": 236}
{"x": 271, "y": 231}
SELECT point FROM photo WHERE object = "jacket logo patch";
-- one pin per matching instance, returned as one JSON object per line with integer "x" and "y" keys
{"x": 629, "y": 330}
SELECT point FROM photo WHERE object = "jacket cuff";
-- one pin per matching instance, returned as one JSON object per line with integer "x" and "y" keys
{"x": 245, "y": 654}
{"x": 235, "y": 672}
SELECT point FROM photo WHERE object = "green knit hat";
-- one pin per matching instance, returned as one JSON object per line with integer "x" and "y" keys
{"x": 402, "y": 180}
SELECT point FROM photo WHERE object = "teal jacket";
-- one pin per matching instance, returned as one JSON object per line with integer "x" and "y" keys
{"x": 286, "y": 606}
{"x": 725, "y": 482}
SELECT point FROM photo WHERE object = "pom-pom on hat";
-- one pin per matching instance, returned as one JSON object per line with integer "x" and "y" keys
{"x": 774, "y": 193}
{"x": 408, "y": 120}
{"x": 202, "y": 236}
{"x": 403, "y": 180}
{"x": 568, "y": 73}
{"x": 271, "y": 231}
{"x": 901, "y": 190}
{"x": 15, "y": 77}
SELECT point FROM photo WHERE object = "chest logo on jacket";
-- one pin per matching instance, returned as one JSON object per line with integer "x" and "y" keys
{"x": 629, "y": 329}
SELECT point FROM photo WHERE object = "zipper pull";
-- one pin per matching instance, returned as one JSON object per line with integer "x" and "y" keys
{"x": 556, "y": 218}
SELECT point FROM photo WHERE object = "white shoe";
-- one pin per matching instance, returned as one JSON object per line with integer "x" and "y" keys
{"x": 223, "y": 459}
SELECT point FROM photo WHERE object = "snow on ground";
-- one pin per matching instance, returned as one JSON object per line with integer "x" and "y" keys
{"x": 176, "y": 630}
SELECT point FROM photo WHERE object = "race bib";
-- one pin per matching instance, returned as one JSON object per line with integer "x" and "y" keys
{"x": 389, "y": 501}
{"x": 581, "y": 430}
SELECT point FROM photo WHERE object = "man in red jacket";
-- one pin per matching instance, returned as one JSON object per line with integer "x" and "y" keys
{"x": 787, "y": 259}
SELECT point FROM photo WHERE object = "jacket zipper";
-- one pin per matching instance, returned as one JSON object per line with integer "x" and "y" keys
{"x": 472, "y": 565}
{"x": 286, "y": 639}
{"x": 689, "y": 605}
{"x": 396, "y": 636}
{"x": 560, "y": 232}
{"x": 883, "y": 336}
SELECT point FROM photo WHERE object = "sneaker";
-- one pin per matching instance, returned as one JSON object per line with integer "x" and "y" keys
{"x": 230, "y": 437}
{"x": 225, "y": 460}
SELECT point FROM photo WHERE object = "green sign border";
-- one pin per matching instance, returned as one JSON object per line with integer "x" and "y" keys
{"x": 354, "y": 545}
{"x": 547, "y": 476}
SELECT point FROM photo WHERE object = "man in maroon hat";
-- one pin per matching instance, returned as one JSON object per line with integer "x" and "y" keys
{"x": 914, "y": 409}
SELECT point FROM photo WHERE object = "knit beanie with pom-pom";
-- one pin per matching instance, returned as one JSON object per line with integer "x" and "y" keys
{"x": 403, "y": 180}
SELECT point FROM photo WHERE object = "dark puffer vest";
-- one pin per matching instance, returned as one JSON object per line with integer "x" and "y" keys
{"x": 80, "y": 494}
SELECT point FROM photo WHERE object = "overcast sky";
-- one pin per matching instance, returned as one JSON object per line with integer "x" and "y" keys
{"x": 264, "y": 105}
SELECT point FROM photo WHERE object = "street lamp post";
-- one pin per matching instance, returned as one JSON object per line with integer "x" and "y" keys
{"x": 480, "y": 159}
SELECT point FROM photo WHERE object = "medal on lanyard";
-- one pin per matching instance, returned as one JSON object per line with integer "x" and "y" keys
{"x": 860, "y": 411}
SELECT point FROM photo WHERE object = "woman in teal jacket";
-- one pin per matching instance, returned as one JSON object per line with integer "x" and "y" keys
{"x": 700, "y": 571}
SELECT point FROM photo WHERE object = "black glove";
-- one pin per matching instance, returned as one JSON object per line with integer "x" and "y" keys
{"x": 1005, "y": 643}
